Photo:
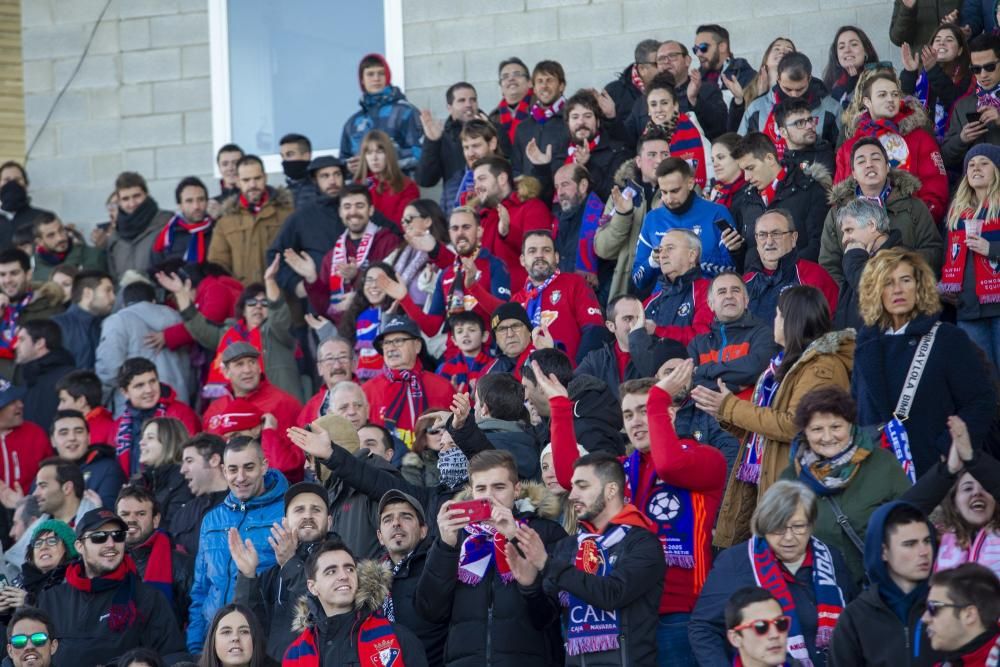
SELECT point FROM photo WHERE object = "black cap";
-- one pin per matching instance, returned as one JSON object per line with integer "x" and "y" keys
{"x": 305, "y": 487}
{"x": 397, "y": 324}
{"x": 666, "y": 349}
{"x": 95, "y": 519}
{"x": 509, "y": 311}
{"x": 322, "y": 162}
{"x": 397, "y": 496}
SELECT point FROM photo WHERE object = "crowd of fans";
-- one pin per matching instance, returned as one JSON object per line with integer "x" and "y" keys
{"x": 696, "y": 369}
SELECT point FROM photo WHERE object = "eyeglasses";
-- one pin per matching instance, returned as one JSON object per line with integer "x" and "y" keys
{"x": 396, "y": 342}
{"x": 673, "y": 55}
{"x": 511, "y": 76}
{"x": 797, "y": 529}
{"x": 255, "y": 302}
{"x": 49, "y": 541}
{"x": 337, "y": 361}
{"x": 762, "y": 625}
{"x": 507, "y": 328}
{"x": 802, "y": 123}
{"x": 763, "y": 236}
{"x": 882, "y": 64}
{"x": 989, "y": 67}
{"x": 101, "y": 536}
{"x": 647, "y": 64}
{"x": 408, "y": 220}
{"x": 933, "y": 607}
{"x": 701, "y": 48}
{"x": 36, "y": 638}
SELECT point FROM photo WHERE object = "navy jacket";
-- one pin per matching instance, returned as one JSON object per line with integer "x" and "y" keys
{"x": 40, "y": 377}
{"x": 81, "y": 332}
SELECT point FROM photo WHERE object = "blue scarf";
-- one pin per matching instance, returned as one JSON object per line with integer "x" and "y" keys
{"x": 669, "y": 507}
{"x": 763, "y": 394}
{"x": 534, "y": 305}
{"x": 586, "y": 257}
{"x": 923, "y": 93}
{"x": 483, "y": 546}
{"x": 592, "y": 630}
{"x": 882, "y": 198}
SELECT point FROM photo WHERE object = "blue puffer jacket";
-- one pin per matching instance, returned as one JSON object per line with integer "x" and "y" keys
{"x": 215, "y": 570}
{"x": 390, "y": 112}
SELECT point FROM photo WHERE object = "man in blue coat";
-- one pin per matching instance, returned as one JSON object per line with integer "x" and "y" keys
{"x": 254, "y": 504}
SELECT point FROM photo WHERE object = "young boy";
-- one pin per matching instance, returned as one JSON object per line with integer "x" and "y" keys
{"x": 464, "y": 366}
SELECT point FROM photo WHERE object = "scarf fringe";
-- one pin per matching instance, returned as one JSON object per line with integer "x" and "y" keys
{"x": 592, "y": 644}
{"x": 468, "y": 578}
{"x": 749, "y": 473}
{"x": 686, "y": 562}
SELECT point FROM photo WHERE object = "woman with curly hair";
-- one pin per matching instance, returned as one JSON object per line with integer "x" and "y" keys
{"x": 912, "y": 372}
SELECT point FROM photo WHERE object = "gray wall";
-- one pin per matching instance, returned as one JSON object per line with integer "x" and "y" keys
{"x": 142, "y": 98}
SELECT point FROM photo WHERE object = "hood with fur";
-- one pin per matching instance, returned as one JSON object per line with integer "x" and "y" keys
{"x": 913, "y": 116}
{"x": 374, "y": 584}
{"x": 628, "y": 171}
{"x": 281, "y": 196}
{"x": 904, "y": 184}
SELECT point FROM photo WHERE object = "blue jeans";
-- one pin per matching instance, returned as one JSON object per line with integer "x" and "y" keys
{"x": 985, "y": 333}
{"x": 672, "y": 646}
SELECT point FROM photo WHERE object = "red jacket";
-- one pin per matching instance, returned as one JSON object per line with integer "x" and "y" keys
{"x": 21, "y": 450}
{"x": 680, "y": 462}
{"x": 922, "y": 158}
{"x": 101, "y": 424}
{"x": 318, "y": 292}
{"x": 279, "y": 450}
{"x": 381, "y": 393}
{"x": 216, "y": 299}
{"x": 525, "y": 214}
{"x": 310, "y": 411}
{"x": 392, "y": 204}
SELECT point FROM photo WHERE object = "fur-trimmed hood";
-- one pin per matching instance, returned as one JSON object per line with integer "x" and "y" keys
{"x": 628, "y": 171}
{"x": 818, "y": 173}
{"x": 280, "y": 195}
{"x": 374, "y": 584}
{"x": 526, "y": 187}
{"x": 535, "y": 498}
{"x": 911, "y": 116}
{"x": 840, "y": 343}
{"x": 904, "y": 184}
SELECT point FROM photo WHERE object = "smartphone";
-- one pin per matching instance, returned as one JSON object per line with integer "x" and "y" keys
{"x": 104, "y": 226}
{"x": 629, "y": 190}
{"x": 972, "y": 117}
{"x": 475, "y": 510}
{"x": 723, "y": 226}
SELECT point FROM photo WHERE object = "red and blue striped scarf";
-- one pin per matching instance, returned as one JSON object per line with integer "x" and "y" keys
{"x": 986, "y": 271}
{"x": 463, "y": 371}
{"x": 483, "y": 546}
{"x": 534, "y": 304}
{"x": 366, "y": 328}
{"x": 378, "y": 646}
{"x": 586, "y": 256}
{"x": 123, "y": 439}
{"x": 763, "y": 395}
{"x": 687, "y": 144}
{"x": 8, "y": 325}
{"x": 197, "y": 248}
{"x": 509, "y": 120}
{"x": 542, "y": 113}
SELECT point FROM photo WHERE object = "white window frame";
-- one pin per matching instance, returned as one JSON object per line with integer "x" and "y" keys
{"x": 218, "y": 40}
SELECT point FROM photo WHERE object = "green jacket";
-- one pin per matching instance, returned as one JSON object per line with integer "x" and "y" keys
{"x": 276, "y": 338}
{"x": 916, "y": 26}
{"x": 879, "y": 480}
{"x": 80, "y": 255}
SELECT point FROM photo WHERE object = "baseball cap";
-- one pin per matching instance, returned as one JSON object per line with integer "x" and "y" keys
{"x": 397, "y": 324}
{"x": 238, "y": 350}
{"x": 305, "y": 487}
{"x": 396, "y": 496}
{"x": 95, "y": 519}
{"x": 10, "y": 392}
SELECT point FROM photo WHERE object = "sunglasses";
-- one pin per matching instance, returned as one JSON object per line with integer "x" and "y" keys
{"x": 989, "y": 67}
{"x": 101, "y": 536}
{"x": 255, "y": 302}
{"x": 700, "y": 48}
{"x": 36, "y": 638}
{"x": 933, "y": 607}
{"x": 763, "y": 625}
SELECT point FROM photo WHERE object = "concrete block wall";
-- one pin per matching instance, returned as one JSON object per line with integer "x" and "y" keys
{"x": 141, "y": 100}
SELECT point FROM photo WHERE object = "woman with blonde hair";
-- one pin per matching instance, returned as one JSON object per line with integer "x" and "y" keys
{"x": 379, "y": 169}
{"x": 912, "y": 372}
{"x": 973, "y": 225}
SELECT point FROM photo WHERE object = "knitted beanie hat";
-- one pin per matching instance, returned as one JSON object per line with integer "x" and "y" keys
{"x": 989, "y": 151}
{"x": 61, "y": 530}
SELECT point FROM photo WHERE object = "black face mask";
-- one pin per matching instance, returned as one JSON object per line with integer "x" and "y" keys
{"x": 13, "y": 197}
{"x": 295, "y": 169}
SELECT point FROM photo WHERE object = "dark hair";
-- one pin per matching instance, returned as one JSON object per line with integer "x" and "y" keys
{"x": 833, "y": 70}
{"x": 302, "y": 140}
{"x": 355, "y": 189}
{"x": 881, "y": 75}
{"x": 828, "y": 400}
{"x": 43, "y": 218}
{"x": 44, "y": 329}
{"x": 513, "y": 61}
{"x": 20, "y": 167}
{"x": 902, "y": 514}
{"x": 243, "y": 442}
{"x": 130, "y": 179}
{"x": 721, "y": 34}
{"x": 66, "y": 471}
{"x": 609, "y": 310}
{"x": 23, "y": 236}
{"x": 807, "y": 317}
{"x": 488, "y": 459}
{"x": 662, "y": 81}
{"x": 140, "y": 493}
{"x": 477, "y": 127}
{"x": 251, "y": 159}
{"x": 428, "y": 208}
{"x": 985, "y": 42}
{"x": 742, "y": 599}
{"x": 335, "y": 544}
{"x": 388, "y": 442}
{"x": 674, "y": 165}
{"x": 730, "y": 140}
{"x": 465, "y": 317}
{"x": 249, "y": 292}
{"x": 796, "y": 65}
{"x": 371, "y": 60}
{"x": 502, "y": 395}
{"x": 131, "y": 368}
{"x": 637, "y": 386}
{"x": 82, "y": 383}
{"x": 586, "y": 99}
{"x": 786, "y": 107}
{"x": 69, "y": 270}
{"x": 89, "y": 279}
{"x": 497, "y": 165}
{"x": 67, "y": 414}
{"x": 652, "y": 134}
{"x": 449, "y": 95}
{"x": 959, "y": 69}
{"x": 138, "y": 292}
{"x": 30, "y": 614}
{"x": 973, "y": 585}
{"x": 258, "y": 637}
{"x": 550, "y": 67}
{"x": 228, "y": 148}
{"x": 868, "y": 141}
{"x": 552, "y": 362}
{"x": 545, "y": 233}
{"x": 207, "y": 446}
{"x": 360, "y": 303}
{"x": 756, "y": 144}
{"x": 141, "y": 655}
{"x": 189, "y": 182}
{"x": 606, "y": 466}
{"x": 12, "y": 255}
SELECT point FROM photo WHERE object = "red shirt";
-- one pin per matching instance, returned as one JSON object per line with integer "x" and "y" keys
{"x": 568, "y": 305}
{"x": 21, "y": 450}
{"x": 392, "y": 204}
{"x": 380, "y": 392}
{"x": 524, "y": 215}
{"x": 102, "y": 426}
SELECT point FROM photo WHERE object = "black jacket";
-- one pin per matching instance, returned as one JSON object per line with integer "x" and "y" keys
{"x": 405, "y": 579}
{"x": 84, "y": 635}
{"x": 603, "y": 365}
{"x": 354, "y": 512}
{"x": 597, "y": 418}
{"x": 511, "y": 436}
{"x": 553, "y": 132}
{"x": 23, "y": 217}
{"x": 724, "y": 338}
{"x": 710, "y": 111}
{"x": 821, "y": 153}
{"x": 854, "y": 263}
{"x": 491, "y": 623}
{"x": 81, "y": 333}
{"x": 40, "y": 377}
{"x": 182, "y": 565}
{"x": 443, "y": 160}
{"x": 171, "y": 491}
{"x": 632, "y": 589}
{"x": 623, "y": 92}
{"x": 185, "y": 527}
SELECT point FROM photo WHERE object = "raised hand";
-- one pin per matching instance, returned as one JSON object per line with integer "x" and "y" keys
{"x": 542, "y": 339}
{"x": 423, "y": 241}
{"x": 450, "y": 522}
{"x": 283, "y": 541}
{"x": 710, "y": 401}
{"x": 535, "y": 154}
{"x": 433, "y": 128}
{"x": 623, "y": 200}
{"x": 678, "y": 380}
{"x": 694, "y": 85}
{"x": 9, "y": 497}
{"x": 605, "y": 102}
{"x": 301, "y": 263}
{"x": 172, "y": 282}
{"x": 549, "y": 385}
{"x": 348, "y": 270}
{"x": 910, "y": 61}
{"x": 316, "y": 443}
{"x": 461, "y": 406}
{"x": 503, "y": 216}
{"x": 960, "y": 452}
{"x": 244, "y": 554}
{"x": 272, "y": 269}
{"x": 470, "y": 272}
{"x": 503, "y": 518}
{"x": 524, "y": 572}
{"x": 928, "y": 57}
{"x": 316, "y": 322}
{"x": 733, "y": 85}
{"x": 393, "y": 288}
{"x": 532, "y": 546}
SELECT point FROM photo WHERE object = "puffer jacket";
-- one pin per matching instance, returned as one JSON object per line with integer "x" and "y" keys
{"x": 735, "y": 352}
{"x": 824, "y": 107}
{"x": 492, "y": 623}
{"x": 827, "y": 361}
{"x": 616, "y": 239}
{"x": 336, "y": 637}
{"x": 907, "y": 214}
{"x": 511, "y": 436}
{"x": 240, "y": 239}
{"x": 215, "y": 572}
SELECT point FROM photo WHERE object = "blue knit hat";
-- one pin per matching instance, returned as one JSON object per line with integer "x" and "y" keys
{"x": 61, "y": 530}
{"x": 988, "y": 151}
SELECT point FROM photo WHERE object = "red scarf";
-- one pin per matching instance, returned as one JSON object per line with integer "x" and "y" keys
{"x": 987, "y": 272}
{"x": 216, "y": 382}
{"x": 542, "y": 113}
{"x": 197, "y": 248}
{"x": 123, "y": 612}
{"x": 51, "y": 257}
{"x": 339, "y": 256}
{"x": 254, "y": 208}
{"x": 160, "y": 567}
{"x": 409, "y": 388}
{"x": 622, "y": 358}
{"x": 686, "y": 143}
{"x": 771, "y": 130}
{"x": 509, "y": 120}
{"x": 723, "y": 193}
{"x": 637, "y": 81}
{"x": 378, "y": 646}
{"x": 767, "y": 194}
{"x": 573, "y": 147}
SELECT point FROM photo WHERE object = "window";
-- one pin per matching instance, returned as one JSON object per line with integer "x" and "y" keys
{"x": 291, "y": 66}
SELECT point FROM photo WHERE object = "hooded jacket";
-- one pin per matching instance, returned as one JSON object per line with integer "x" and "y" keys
{"x": 907, "y": 214}
{"x": 491, "y": 623}
{"x": 920, "y": 151}
{"x": 853, "y": 264}
{"x": 336, "y": 637}
{"x": 827, "y": 361}
{"x": 240, "y": 239}
{"x": 215, "y": 572}
{"x": 882, "y": 627}
{"x": 390, "y": 112}
{"x": 40, "y": 377}
{"x": 824, "y": 107}
{"x": 736, "y": 352}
